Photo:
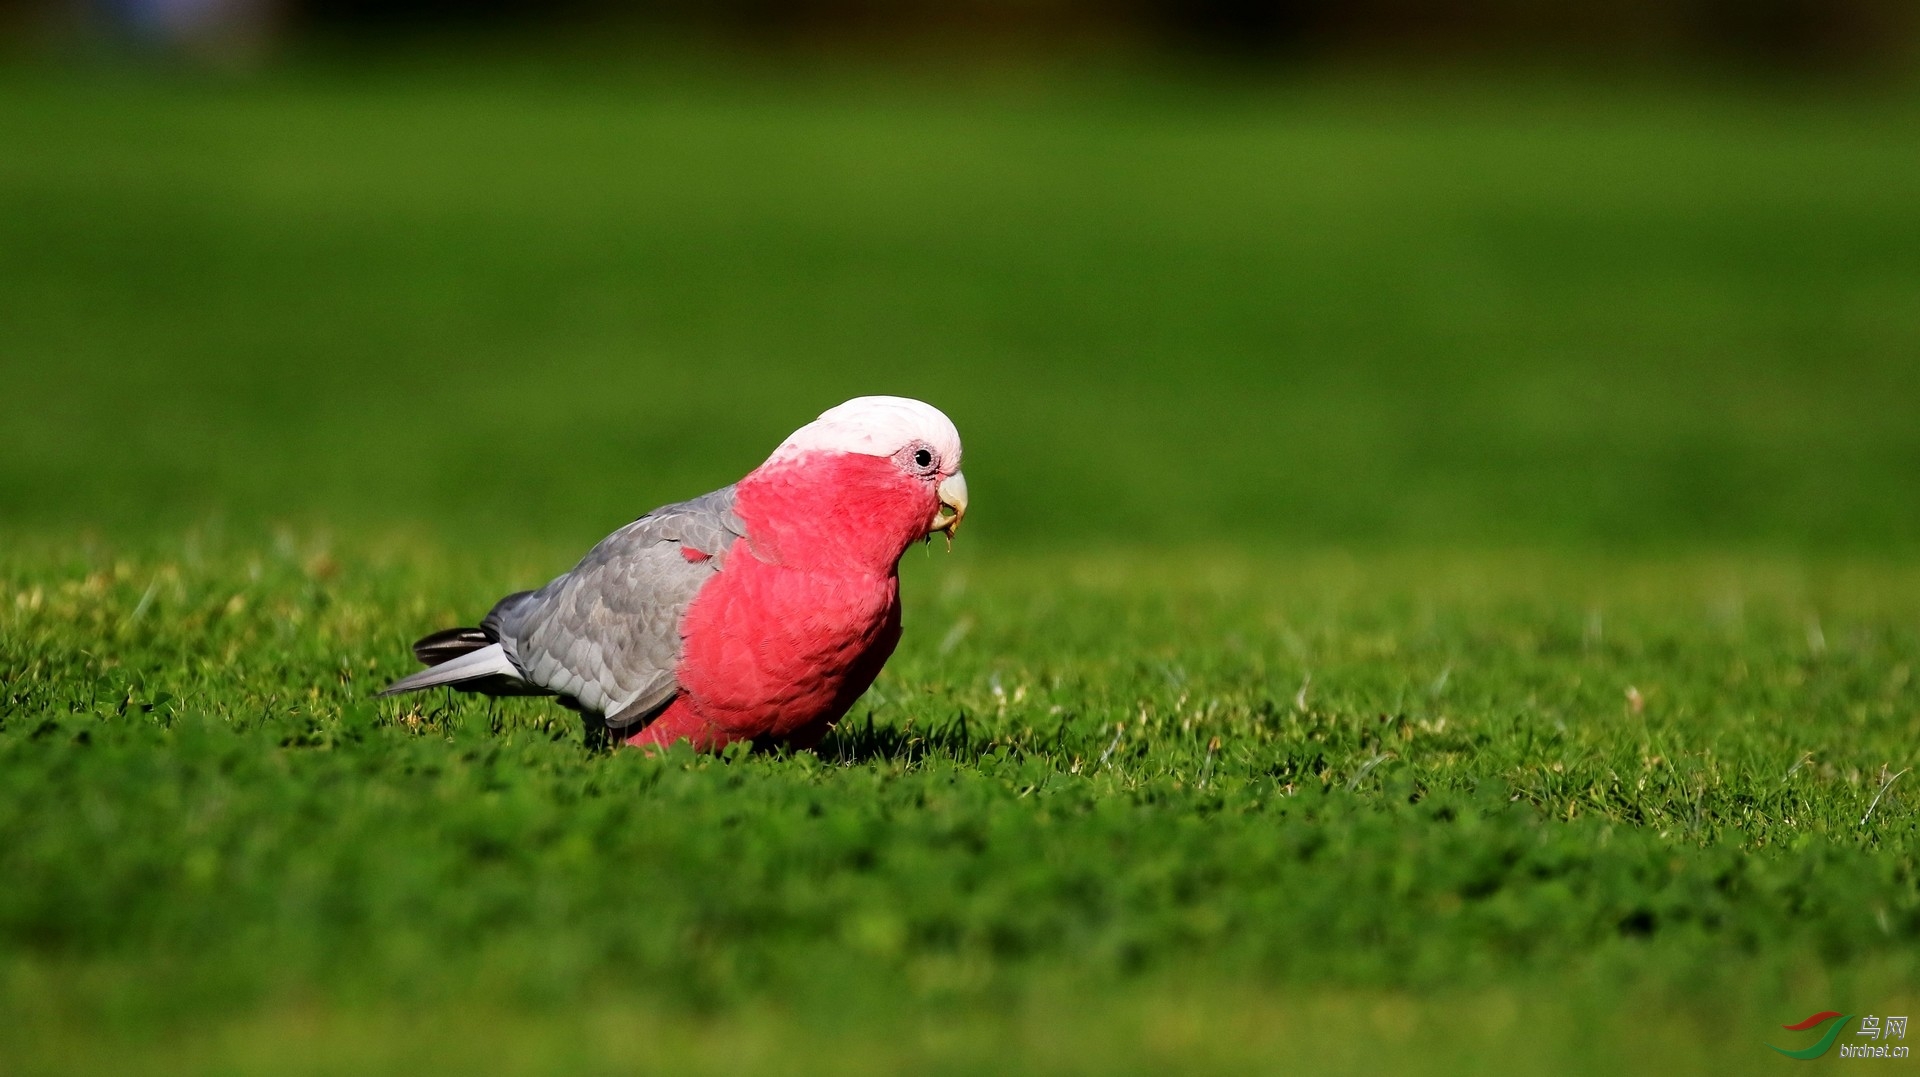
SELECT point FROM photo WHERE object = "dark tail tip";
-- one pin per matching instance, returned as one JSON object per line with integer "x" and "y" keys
{"x": 449, "y": 644}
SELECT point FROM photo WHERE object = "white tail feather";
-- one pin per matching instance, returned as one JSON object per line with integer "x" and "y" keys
{"x": 489, "y": 661}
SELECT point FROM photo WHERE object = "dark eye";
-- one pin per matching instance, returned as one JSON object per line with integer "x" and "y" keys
{"x": 923, "y": 458}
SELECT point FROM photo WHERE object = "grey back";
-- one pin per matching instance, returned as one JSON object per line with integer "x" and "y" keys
{"x": 607, "y": 633}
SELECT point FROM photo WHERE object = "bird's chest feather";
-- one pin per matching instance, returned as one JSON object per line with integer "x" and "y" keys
{"x": 771, "y": 648}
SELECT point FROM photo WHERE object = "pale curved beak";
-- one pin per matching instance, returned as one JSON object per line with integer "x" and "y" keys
{"x": 953, "y": 506}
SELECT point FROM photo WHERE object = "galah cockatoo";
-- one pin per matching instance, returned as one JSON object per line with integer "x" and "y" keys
{"x": 760, "y": 611}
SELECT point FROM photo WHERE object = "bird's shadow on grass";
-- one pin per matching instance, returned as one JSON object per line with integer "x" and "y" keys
{"x": 850, "y": 743}
{"x": 853, "y": 743}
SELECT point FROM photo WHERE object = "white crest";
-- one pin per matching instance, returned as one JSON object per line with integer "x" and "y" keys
{"x": 878, "y": 426}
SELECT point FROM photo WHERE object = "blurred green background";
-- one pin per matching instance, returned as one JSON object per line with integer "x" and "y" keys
{"x": 1169, "y": 297}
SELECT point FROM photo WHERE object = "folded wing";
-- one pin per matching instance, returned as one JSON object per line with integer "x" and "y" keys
{"x": 606, "y": 635}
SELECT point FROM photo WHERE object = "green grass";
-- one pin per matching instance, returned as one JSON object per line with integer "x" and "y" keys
{"x": 1441, "y": 595}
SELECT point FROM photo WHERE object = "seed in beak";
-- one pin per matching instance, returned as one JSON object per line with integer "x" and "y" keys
{"x": 953, "y": 506}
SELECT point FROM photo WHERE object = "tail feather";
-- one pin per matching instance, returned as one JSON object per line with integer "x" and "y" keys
{"x": 480, "y": 665}
{"x": 451, "y": 643}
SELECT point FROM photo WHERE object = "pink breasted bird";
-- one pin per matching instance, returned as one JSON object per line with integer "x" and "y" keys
{"x": 760, "y": 611}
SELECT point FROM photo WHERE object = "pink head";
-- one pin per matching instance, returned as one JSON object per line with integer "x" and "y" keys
{"x": 858, "y": 485}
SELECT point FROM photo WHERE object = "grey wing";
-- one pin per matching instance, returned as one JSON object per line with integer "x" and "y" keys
{"x": 607, "y": 634}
